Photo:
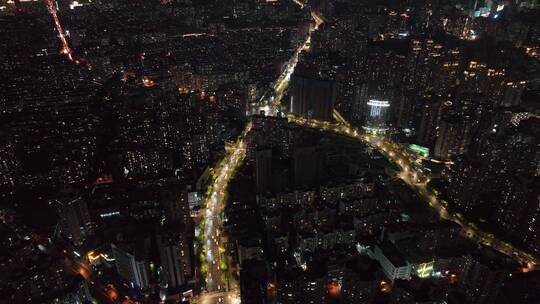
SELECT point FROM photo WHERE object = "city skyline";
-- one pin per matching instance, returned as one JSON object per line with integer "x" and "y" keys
{"x": 270, "y": 151}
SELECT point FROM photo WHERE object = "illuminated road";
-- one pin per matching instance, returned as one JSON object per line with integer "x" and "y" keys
{"x": 220, "y": 285}
{"x": 65, "y": 46}
{"x": 300, "y": 3}
{"x": 417, "y": 181}
{"x": 271, "y": 105}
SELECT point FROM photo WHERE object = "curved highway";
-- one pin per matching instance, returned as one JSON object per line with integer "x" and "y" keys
{"x": 418, "y": 181}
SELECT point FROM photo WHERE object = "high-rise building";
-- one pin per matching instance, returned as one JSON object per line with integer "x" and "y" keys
{"x": 420, "y": 63}
{"x": 513, "y": 92}
{"x": 392, "y": 262}
{"x": 77, "y": 293}
{"x": 430, "y": 115}
{"x": 357, "y": 286}
{"x": 253, "y": 284}
{"x": 518, "y": 211}
{"x": 447, "y": 69}
{"x": 294, "y": 286}
{"x": 455, "y": 134}
{"x": 176, "y": 206}
{"x": 405, "y": 115}
{"x": 312, "y": 97}
{"x": 360, "y": 98}
{"x": 263, "y": 169}
{"x": 376, "y": 116}
{"x": 467, "y": 182}
{"x": 74, "y": 219}
{"x": 132, "y": 262}
{"x": 307, "y": 166}
{"x": 481, "y": 7}
{"x": 175, "y": 256}
{"x": 482, "y": 278}
{"x": 8, "y": 165}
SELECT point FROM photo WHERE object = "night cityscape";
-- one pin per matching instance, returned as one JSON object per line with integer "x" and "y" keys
{"x": 270, "y": 151}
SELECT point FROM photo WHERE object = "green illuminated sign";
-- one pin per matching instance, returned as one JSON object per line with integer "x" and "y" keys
{"x": 419, "y": 149}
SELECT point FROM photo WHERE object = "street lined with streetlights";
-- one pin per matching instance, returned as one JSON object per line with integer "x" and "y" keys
{"x": 418, "y": 182}
{"x": 220, "y": 285}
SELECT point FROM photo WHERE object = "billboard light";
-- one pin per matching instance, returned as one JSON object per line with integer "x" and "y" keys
{"x": 425, "y": 270}
{"x": 419, "y": 149}
{"x": 378, "y": 103}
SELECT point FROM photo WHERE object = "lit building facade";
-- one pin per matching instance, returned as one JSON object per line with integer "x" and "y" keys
{"x": 131, "y": 267}
{"x": 376, "y": 116}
